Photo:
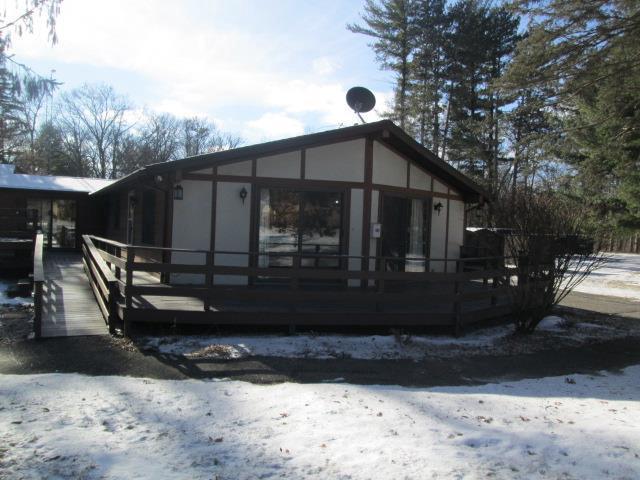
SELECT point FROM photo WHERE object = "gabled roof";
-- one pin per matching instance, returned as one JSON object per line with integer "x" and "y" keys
{"x": 384, "y": 131}
{"x": 20, "y": 181}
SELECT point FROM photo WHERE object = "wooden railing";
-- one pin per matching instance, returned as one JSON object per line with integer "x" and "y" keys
{"x": 38, "y": 280}
{"x": 103, "y": 282}
{"x": 386, "y": 292}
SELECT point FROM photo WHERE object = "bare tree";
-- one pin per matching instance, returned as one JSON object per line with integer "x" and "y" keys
{"x": 160, "y": 137}
{"x": 200, "y": 136}
{"x": 550, "y": 251}
{"x": 100, "y": 112}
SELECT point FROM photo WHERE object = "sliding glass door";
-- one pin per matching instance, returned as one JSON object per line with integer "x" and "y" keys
{"x": 299, "y": 222}
{"x": 57, "y": 220}
{"x": 405, "y": 233}
{"x": 63, "y": 223}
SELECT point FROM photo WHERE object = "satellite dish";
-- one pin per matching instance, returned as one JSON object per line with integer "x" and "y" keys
{"x": 361, "y": 100}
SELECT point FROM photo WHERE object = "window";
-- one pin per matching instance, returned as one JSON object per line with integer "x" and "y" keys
{"x": 148, "y": 216}
{"x": 307, "y": 222}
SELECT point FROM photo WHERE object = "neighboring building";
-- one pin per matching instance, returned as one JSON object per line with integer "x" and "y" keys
{"x": 363, "y": 191}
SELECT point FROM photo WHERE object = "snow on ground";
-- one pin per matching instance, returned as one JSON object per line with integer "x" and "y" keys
{"x": 72, "y": 426}
{"x": 497, "y": 340}
{"x": 620, "y": 277}
{"x": 5, "y": 299}
{"x": 370, "y": 347}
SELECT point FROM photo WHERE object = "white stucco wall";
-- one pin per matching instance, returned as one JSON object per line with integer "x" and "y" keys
{"x": 389, "y": 168}
{"x": 439, "y": 187}
{"x": 337, "y": 161}
{"x": 419, "y": 179}
{"x": 189, "y": 230}
{"x": 456, "y": 231}
{"x": 438, "y": 236}
{"x": 285, "y": 165}
{"x": 355, "y": 231}
{"x": 232, "y": 229}
{"x": 238, "y": 168}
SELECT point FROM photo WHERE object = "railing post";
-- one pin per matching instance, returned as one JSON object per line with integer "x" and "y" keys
{"x": 37, "y": 307}
{"x": 128, "y": 301}
{"x": 380, "y": 289}
{"x": 457, "y": 325}
{"x": 208, "y": 281}
{"x": 295, "y": 280}
{"x": 118, "y": 253}
{"x": 294, "y": 285}
{"x": 112, "y": 305}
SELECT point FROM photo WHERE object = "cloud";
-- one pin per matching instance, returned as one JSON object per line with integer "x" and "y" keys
{"x": 272, "y": 126}
{"x": 197, "y": 63}
{"x": 324, "y": 66}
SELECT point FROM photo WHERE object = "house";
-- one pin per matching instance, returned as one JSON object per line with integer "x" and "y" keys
{"x": 358, "y": 225}
{"x": 363, "y": 191}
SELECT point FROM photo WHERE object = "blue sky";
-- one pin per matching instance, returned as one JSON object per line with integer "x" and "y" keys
{"x": 260, "y": 69}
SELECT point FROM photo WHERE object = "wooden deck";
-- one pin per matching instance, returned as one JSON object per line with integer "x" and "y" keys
{"x": 69, "y": 307}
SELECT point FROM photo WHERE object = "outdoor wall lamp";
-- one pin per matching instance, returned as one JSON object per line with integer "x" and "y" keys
{"x": 243, "y": 194}
{"x": 178, "y": 192}
{"x": 438, "y": 207}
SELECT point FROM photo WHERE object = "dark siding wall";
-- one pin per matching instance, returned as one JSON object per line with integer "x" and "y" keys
{"x": 116, "y": 224}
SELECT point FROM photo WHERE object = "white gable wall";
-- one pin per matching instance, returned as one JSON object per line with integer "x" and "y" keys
{"x": 389, "y": 168}
{"x": 191, "y": 228}
{"x": 238, "y": 168}
{"x": 285, "y": 165}
{"x": 232, "y": 229}
{"x": 456, "y": 231}
{"x": 343, "y": 161}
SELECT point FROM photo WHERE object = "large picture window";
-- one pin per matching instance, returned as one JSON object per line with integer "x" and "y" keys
{"x": 299, "y": 222}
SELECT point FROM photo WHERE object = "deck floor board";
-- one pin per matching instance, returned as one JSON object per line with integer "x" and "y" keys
{"x": 68, "y": 305}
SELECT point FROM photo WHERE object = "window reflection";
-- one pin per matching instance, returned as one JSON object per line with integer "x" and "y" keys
{"x": 307, "y": 222}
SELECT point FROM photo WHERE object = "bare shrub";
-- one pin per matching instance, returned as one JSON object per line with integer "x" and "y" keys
{"x": 549, "y": 248}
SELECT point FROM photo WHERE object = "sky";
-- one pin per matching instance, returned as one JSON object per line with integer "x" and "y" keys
{"x": 260, "y": 69}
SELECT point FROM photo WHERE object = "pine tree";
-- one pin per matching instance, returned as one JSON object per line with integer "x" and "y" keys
{"x": 586, "y": 56}
{"x": 388, "y": 22}
{"x": 480, "y": 43}
{"x": 430, "y": 24}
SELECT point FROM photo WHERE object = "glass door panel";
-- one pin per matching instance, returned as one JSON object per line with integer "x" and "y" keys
{"x": 321, "y": 228}
{"x": 63, "y": 223}
{"x": 40, "y": 211}
{"x": 307, "y": 222}
{"x": 405, "y": 233}
{"x": 279, "y": 225}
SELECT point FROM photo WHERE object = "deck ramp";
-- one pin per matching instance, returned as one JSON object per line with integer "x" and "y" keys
{"x": 68, "y": 305}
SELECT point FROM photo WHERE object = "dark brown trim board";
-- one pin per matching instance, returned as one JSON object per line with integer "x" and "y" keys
{"x": 214, "y": 208}
{"x": 366, "y": 204}
{"x": 446, "y": 239}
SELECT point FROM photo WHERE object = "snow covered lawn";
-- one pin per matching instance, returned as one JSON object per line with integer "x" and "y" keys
{"x": 72, "y": 426}
{"x": 620, "y": 277}
{"x": 498, "y": 340}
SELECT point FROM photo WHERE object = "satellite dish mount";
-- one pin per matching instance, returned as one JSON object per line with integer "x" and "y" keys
{"x": 361, "y": 100}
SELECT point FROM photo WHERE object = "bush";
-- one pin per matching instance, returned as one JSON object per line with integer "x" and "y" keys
{"x": 550, "y": 252}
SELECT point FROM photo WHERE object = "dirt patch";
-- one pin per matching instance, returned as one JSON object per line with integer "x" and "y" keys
{"x": 16, "y": 324}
